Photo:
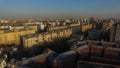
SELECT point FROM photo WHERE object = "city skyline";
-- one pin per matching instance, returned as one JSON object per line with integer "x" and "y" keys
{"x": 59, "y": 8}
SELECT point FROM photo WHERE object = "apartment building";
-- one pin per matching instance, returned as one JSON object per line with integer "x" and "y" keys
{"x": 13, "y": 37}
{"x": 37, "y": 39}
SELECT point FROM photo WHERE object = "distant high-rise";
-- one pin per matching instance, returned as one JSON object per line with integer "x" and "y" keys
{"x": 115, "y": 32}
{"x": 117, "y": 37}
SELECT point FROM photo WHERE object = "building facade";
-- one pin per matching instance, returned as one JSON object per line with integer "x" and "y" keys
{"x": 9, "y": 38}
{"x": 117, "y": 37}
{"x": 31, "y": 40}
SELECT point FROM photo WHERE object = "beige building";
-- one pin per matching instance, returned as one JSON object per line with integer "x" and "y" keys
{"x": 2, "y": 63}
{"x": 108, "y": 24}
{"x": 13, "y": 37}
{"x": 31, "y": 40}
{"x": 84, "y": 27}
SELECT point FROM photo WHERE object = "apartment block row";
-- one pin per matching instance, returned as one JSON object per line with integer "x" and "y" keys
{"x": 38, "y": 39}
{"x": 63, "y": 27}
{"x": 13, "y": 37}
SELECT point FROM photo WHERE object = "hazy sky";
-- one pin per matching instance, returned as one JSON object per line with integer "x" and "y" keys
{"x": 56, "y": 8}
